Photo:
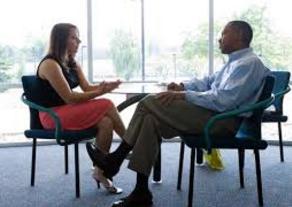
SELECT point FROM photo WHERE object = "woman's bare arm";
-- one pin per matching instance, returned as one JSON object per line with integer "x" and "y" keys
{"x": 51, "y": 71}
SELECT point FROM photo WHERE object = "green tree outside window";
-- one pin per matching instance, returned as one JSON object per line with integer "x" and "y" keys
{"x": 124, "y": 52}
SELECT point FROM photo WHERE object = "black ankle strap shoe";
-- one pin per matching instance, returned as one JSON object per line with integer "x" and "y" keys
{"x": 109, "y": 166}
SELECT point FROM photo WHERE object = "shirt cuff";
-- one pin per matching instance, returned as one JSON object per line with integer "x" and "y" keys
{"x": 186, "y": 85}
{"x": 189, "y": 96}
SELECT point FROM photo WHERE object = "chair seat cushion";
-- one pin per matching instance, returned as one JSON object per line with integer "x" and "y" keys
{"x": 225, "y": 143}
{"x": 271, "y": 116}
{"x": 68, "y": 136}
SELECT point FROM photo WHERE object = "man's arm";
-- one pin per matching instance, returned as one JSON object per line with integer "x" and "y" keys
{"x": 240, "y": 87}
{"x": 196, "y": 84}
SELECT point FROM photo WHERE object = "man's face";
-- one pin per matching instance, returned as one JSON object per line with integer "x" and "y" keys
{"x": 230, "y": 40}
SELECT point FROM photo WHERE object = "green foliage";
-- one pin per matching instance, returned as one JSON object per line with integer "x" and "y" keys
{"x": 6, "y": 63}
{"x": 124, "y": 52}
{"x": 14, "y": 60}
{"x": 196, "y": 43}
{"x": 274, "y": 49}
{"x": 195, "y": 49}
{"x": 34, "y": 49}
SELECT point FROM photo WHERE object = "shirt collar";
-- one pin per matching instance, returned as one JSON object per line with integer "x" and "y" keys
{"x": 239, "y": 53}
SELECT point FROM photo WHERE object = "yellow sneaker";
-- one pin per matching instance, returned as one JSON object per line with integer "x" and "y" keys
{"x": 214, "y": 160}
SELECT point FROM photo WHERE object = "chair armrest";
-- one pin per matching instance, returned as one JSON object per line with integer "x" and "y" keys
{"x": 262, "y": 104}
{"x": 54, "y": 116}
{"x": 130, "y": 101}
{"x": 282, "y": 93}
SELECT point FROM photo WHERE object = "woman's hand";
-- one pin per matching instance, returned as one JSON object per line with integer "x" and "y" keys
{"x": 109, "y": 86}
{"x": 168, "y": 97}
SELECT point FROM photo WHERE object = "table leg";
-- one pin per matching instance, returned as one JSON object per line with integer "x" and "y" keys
{"x": 157, "y": 168}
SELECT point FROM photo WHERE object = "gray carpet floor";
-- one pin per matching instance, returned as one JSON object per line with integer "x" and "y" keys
{"x": 212, "y": 188}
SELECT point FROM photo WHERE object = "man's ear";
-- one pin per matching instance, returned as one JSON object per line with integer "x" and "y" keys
{"x": 242, "y": 38}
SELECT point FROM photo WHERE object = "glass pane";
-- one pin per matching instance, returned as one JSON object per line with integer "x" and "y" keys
{"x": 176, "y": 39}
{"x": 24, "y": 35}
{"x": 272, "y": 37}
{"x": 116, "y": 39}
{"x": 24, "y": 40}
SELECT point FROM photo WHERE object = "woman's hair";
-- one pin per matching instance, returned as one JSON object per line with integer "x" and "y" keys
{"x": 58, "y": 42}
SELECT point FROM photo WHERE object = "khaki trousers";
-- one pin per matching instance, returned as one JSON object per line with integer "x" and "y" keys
{"x": 153, "y": 121}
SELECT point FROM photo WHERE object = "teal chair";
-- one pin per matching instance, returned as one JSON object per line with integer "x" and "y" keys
{"x": 281, "y": 87}
{"x": 32, "y": 98}
{"x": 248, "y": 137}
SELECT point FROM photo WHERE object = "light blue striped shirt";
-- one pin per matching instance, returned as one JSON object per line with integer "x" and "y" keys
{"x": 237, "y": 83}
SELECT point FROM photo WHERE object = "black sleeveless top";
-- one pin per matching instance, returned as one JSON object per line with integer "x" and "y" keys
{"x": 48, "y": 97}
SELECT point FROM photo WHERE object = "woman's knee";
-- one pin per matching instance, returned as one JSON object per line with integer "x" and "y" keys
{"x": 112, "y": 109}
{"x": 109, "y": 102}
{"x": 105, "y": 123}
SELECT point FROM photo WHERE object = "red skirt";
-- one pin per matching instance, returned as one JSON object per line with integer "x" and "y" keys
{"x": 77, "y": 116}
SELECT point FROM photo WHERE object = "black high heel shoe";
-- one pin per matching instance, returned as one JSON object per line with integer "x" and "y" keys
{"x": 110, "y": 167}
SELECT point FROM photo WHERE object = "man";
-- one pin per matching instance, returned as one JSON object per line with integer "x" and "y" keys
{"x": 186, "y": 107}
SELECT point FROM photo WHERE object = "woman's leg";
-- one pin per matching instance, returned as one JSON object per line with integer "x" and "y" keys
{"x": 103, "y": 140}
{"x": 105, "y": 134}
{"x": 118, "y": 125}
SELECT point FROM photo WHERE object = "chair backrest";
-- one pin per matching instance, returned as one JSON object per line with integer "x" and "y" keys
{"x": 281, "y": 84}
{"x": 251, "y": 126}
{"x": 32, "y": 93}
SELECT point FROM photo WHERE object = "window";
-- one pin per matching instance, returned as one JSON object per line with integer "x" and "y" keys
{"x": 25, "y": 29}
{"x": 272, "y": 37}
{"x": 134, "y": 40}
{"x": 116, "y": 31}
{"x": 176, "y": 36}
{"x": 24, "y": 41}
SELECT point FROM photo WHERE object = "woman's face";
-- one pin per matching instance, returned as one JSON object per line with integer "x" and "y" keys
{"x": 73, "y": 42}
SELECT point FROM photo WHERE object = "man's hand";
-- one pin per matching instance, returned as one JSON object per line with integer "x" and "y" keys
{"x": 168, "y": 97}
{"x": 175, "y": 87}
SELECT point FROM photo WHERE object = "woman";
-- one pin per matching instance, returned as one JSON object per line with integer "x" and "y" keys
{"x": 59, "y": 73}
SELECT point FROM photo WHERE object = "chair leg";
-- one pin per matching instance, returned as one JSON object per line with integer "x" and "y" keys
{"x": 192, "y": 174}
{"x": 241, "y": 166}
{"x": 33, "y": 160}
{"x": 281, "y": 142}
{"x": 180, "y": 167}
{"x": 77, "y": 179}
{"x": 66, "y": 158}
{"x": 199, "y": 156}
{"x": 259, "y": 177}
